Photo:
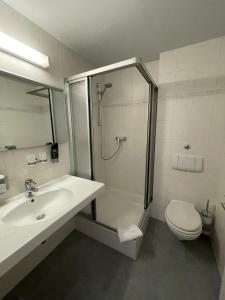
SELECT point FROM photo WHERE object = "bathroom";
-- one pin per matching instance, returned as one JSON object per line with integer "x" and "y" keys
{"x": 112, "y": 162}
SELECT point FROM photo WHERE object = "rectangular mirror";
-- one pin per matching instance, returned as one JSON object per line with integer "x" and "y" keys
{"x": 59, "y": 116}
{"x": 25, "y": 114}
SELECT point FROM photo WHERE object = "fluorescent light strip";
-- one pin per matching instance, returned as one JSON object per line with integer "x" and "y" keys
{"x": 20, "y": 50}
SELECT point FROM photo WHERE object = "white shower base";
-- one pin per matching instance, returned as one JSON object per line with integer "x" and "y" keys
{"x": 118, "y": 208}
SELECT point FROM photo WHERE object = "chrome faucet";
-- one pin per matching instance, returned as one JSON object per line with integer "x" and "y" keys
{"x": 30, "y": 188}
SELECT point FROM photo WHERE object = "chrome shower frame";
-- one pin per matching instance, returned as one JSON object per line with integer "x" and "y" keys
{"x": 151, "y": 125}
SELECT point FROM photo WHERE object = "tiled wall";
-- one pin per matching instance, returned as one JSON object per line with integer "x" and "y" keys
{"x": 63, "y": 62}
{"x": 191, "y": 110}
{"x": 124, "y": 114}
{"x": 13, "y": 164}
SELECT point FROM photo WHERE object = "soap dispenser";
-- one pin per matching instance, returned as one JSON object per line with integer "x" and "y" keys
{"x": 55, "y": 152}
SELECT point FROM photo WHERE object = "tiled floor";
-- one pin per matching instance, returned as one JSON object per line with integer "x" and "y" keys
{"x": 167, "y": 269}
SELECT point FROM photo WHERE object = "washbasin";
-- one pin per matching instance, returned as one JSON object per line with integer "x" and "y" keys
{"x": 39, "y": 208}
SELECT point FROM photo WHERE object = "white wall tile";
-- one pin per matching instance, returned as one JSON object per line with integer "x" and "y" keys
{"x": 217, "y": 129}
{"x": 191, "y": 111}
{"x": 153, "y": 69}
{"x": 195, "y": 56}
{"x": 138, "y": 86}
{"x": 121, "y": 91}
{"x": 167, "y": 63}
{"x": 63, "y": 62}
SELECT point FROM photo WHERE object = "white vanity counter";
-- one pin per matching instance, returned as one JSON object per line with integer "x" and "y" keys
{"x": 20, "y": 232}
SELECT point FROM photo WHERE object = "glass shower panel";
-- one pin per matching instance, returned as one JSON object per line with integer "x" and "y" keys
{"x": 151, "y": 136}
{"x": 80, "y": 124}
{"x": 120, "y": 122}
{"x": 81, "y": 131}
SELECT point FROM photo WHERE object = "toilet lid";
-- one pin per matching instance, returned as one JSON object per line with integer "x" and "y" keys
{"x": 183, "y": 215}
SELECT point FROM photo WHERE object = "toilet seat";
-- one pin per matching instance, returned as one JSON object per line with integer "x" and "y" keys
{"x": 182, "y": 232}
{"x": 183, "y": 220}
{"x": 183, "y": 217}
{"x": 182, "y": 235}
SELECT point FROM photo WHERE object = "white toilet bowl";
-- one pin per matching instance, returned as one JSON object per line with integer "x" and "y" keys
{"x": 183, "y": 220}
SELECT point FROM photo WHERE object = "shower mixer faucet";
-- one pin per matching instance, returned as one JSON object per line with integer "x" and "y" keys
{"x": 120, "y": 139}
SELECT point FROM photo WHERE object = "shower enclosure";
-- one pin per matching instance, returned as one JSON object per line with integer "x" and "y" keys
{"x": 112, "y": 119}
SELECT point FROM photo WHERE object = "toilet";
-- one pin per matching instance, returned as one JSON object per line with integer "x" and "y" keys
{"x": 183, "y": 220}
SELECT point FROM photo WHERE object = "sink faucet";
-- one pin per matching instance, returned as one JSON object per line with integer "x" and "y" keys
{"x": 30, "y": 188}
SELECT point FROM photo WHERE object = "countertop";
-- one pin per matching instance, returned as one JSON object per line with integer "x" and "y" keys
{"x": 18, "y": 241}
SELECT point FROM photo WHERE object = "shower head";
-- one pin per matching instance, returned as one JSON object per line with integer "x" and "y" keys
{"x": 100, "y": 93}
{"x": 106, "y": 86}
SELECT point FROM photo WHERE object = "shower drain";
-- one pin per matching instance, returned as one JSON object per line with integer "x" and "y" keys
{"x": 40, "y": 217}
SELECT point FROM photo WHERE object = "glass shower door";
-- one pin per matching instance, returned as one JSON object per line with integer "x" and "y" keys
{"x": 120, "y": 121}
{"x": 80, "y": 134}
{"x": 112, "y": 116}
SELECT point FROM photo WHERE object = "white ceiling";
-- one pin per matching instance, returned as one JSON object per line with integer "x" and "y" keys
{"x": 106, "y": 31}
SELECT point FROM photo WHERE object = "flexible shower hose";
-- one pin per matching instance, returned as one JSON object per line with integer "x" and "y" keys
{"x": 114, "y": 153}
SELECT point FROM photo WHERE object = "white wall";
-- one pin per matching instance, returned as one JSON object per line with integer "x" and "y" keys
{"x": 191, "y": 110}
{"x": 63, "y": 62}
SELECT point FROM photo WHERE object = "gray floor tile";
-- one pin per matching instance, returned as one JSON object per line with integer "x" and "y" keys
{"x": 167, "y": 269}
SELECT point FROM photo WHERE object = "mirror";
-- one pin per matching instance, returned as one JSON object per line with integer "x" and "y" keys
{"x": 25, "y": 114}
{"x": 59, "y": 116}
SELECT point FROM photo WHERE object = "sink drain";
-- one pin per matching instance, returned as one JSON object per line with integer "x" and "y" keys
{"x": 40, "y": 217}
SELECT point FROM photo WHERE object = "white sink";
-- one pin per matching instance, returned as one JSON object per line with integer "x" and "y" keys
{"x": 39, "y": 208}
{"x": 25, "y": 224}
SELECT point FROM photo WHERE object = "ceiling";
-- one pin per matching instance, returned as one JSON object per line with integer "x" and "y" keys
{"x": 106, "y": 31}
